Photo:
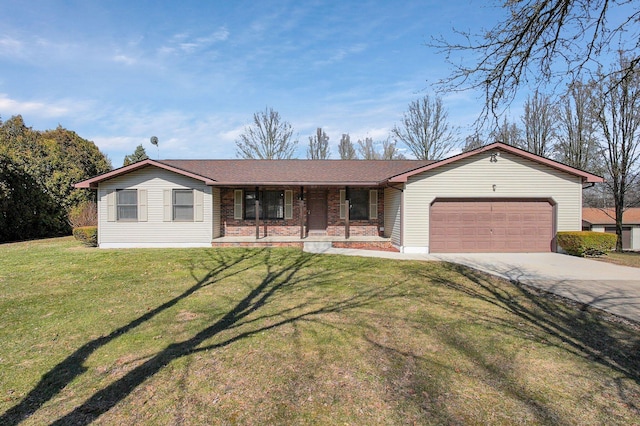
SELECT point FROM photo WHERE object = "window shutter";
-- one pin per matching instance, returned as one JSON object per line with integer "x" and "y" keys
{"x": 198, "y": 200}
{"x": 288, "y": 204}
{"x": 237, "y": 204}
{"x": 343, "y": 198}
{"x": 142, "y": 205}
{"x": 373, "y": 204}
{"x": 166, "y": 205}
{"x": 111, "y": 206}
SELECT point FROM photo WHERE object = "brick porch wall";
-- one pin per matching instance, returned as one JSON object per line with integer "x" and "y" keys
{"x": 231, "y": 227}
{"x": 357, "y": 228}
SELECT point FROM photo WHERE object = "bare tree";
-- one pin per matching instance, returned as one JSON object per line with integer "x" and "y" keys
{"x": 472, "y": 142}
{"x": 367, "y": 150}
{"x": 539, "y": 124}
{"x": 617, "y": 105}
{"x": 541, "y": 41}
{"x": 508, "y": 133}
{"x": 390, "y": 151}
{"x": 346, "y": 149}
{"x": 268, "y": 138}
{"x": 318, "y": 146}
{"x": 577, "y": 144}
{"x": 424, "y": 129}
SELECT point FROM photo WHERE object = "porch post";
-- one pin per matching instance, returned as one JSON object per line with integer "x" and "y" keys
{"x": 303, "y": 213}
{"x": 257, "y": 204}
{"x": 346, "y": 218}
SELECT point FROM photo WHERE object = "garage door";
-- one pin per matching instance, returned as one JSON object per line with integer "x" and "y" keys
{"x": 490, "y": 226}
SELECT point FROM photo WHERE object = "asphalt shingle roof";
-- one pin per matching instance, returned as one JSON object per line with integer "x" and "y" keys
{"x": 308, "y": 172}
{"x": 598, "y": 216}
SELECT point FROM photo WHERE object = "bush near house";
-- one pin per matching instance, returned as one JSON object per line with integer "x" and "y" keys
{"x": 586, "y": 243}
{"x": 88, "y": 235}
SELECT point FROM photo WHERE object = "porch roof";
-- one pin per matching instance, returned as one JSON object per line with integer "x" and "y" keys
{"x": 296, "y": 172}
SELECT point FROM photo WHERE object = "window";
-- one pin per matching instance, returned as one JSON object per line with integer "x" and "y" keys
{"x": 182, "y": 205}
{"x": 271, "y": 205}
{"x": 127, "y": 204}
{"x": 363, "y": 204}
{"x": 358, "y": 204}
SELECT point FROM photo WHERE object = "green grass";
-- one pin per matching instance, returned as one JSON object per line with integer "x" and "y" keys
{"x": 277, "y": 336}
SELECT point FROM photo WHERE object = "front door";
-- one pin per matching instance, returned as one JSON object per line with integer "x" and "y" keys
{"x": 317, "y": 210}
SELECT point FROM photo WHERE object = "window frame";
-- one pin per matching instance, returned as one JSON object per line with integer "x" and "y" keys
{"x": 371, "y": 205}
{"x": 363, "y": 204}
{"x": 267, "y": 204}
{"x": 120, "y": 205}
{"x": 175, "y": 206}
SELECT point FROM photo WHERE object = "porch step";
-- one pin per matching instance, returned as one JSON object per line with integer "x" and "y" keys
{"x": 316, "y": 246}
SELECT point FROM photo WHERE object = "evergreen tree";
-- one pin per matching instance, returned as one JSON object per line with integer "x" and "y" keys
{"x": 138, "y": 155}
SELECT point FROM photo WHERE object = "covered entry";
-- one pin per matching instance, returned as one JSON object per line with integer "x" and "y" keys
{"x": 491, "y": 225}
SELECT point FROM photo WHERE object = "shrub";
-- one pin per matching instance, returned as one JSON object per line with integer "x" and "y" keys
{"x": 586, "y": 243}
{"x": 88, "y": 235}
{"x": 84, "y": 214}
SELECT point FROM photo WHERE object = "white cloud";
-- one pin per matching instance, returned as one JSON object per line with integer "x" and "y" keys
{"x": 221, "y": 35}
{"x": 41, "y": 108}
{"x": 124, "y": 59}
{"x": 343, "y": 53}
{"x": 188, "y": 44}
{"x": 11, "y": 47}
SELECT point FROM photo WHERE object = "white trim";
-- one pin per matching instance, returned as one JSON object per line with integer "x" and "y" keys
{"x": 154, "y": 245}
{"x": 343, "y": 199}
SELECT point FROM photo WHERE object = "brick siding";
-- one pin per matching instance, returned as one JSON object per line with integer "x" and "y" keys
{"x": 231, "y": 227}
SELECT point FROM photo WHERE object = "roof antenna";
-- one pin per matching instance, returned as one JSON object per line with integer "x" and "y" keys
{"x": 154, "y": 141}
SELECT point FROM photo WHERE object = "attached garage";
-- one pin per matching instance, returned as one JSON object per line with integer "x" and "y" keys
{"x": 494, "y": 225}
{"x": 496, "y": 198}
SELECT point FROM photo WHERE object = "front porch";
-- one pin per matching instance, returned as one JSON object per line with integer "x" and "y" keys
{"x": 287, "y": 215}
{"x": 355, "y": 242}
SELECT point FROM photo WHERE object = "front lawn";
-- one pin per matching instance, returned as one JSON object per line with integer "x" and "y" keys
{"x": 277, "y": 336}
{"x": 626, "y": 258}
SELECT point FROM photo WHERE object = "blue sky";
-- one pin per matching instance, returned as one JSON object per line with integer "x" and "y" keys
{"x": 193, "y": 73}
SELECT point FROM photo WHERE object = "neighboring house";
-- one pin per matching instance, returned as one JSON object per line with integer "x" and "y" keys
{"x": 603, "y": 220}
{"x": 496, "y": 198}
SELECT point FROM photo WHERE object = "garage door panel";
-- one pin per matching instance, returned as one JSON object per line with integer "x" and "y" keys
{"x": 491, "y": 226}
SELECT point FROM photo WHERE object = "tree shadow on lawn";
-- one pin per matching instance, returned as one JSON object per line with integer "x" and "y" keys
{"x": 583, "y": 332}
{"x": 280, "y": 276}
{"x": 72, "y": 367}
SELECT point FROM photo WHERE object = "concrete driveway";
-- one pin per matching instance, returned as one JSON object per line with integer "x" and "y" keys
{"x": 612, "y": 288}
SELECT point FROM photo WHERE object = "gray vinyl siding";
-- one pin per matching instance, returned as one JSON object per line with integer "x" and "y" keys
{"x": 474, "y": 177}
{"x": 216, "y": 212}
{"x": 392, "y": 202}
{"x": 155, "y": 231}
